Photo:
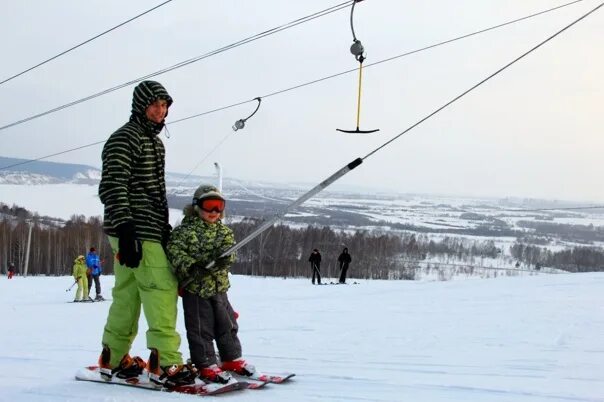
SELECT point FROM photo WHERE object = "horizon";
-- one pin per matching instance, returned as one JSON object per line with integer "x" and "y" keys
{"x": 336, "y": 187}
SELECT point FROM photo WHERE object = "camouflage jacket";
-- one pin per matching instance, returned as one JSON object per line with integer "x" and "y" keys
{"x": 193, "y": 245}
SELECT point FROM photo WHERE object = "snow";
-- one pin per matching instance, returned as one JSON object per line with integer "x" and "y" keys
{"x": 531, "y": 338}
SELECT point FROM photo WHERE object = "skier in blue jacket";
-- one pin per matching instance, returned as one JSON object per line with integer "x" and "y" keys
{"x": 93, "y": 262}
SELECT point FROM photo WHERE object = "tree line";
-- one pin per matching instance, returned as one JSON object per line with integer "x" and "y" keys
{"x": 577, "y": 259}
{"x": 280, "y": 251}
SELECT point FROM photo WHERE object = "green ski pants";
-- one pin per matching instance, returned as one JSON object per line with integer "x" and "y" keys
{"x": 154, "y": 286}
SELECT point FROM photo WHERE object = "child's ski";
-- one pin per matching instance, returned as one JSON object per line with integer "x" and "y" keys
{"x": 273, "y": 378}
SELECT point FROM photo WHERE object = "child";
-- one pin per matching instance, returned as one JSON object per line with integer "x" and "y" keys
{"x": 199, "y": 240}
{"x": 79, "y": 274}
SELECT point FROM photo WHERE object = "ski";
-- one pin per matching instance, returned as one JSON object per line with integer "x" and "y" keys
{"x": 92, "y": 374}
{"x": 253, "y": 383}
{"x": 272, "y": 378}
{"x": 89, "y": 301}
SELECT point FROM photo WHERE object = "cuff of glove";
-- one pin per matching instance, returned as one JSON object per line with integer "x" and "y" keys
{"x": 126, "y": 229}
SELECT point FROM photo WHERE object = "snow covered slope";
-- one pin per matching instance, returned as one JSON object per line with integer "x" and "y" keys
{"x": 532, "y": 339}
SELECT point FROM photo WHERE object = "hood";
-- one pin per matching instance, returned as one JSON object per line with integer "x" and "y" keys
{"x": 145, "y": 94}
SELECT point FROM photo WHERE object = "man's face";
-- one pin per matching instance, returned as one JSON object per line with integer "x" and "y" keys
{"x": 156, "y": 112}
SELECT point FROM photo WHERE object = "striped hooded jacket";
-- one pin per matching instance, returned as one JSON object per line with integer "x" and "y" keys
{"x": 133, "y": 187}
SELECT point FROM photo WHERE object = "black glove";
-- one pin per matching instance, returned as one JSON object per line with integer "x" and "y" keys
{"x": 223, "y": 262}
{"x": 165, "y": 237}
{"x": 220, "y": 263}
{"x": 130, "y": 249}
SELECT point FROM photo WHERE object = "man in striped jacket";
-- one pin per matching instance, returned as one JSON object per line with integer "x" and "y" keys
{"x": 133, "y": 191}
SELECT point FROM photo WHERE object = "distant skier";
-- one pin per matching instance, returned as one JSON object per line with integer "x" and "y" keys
{"x": 11, "y": 270}
{"x": 344, "y": 260}
{"x": 93, "y": 262}
{"x": 79, "y": 275}
{"x": 315, "y": 265}
{"x": 199, "y": 240}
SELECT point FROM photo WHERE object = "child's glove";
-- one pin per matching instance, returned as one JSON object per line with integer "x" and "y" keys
{"x": 222, "y": 263}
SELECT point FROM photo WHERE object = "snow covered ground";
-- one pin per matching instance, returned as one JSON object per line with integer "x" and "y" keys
{"x": 531, "y": 338}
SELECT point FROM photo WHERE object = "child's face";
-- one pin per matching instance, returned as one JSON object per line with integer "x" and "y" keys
{"x": 210, "y": 217}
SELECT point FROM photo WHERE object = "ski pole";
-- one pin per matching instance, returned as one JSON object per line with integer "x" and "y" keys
{"x": 72, "y": 285}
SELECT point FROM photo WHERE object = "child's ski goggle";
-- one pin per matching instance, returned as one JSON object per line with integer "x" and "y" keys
{"x": 211, "y": 204}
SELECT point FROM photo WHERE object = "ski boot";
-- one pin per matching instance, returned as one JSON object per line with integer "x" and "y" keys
{"x": 170, "y": 376}
{"x": 239, "y": 366}
{"x": 215, "y": 374}
{"x": 99, "y": 298}
{"x": 129, "y": 367}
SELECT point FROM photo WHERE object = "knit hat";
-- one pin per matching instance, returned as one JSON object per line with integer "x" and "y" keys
{"x": 80, "y": 258}
{"x": 92, "y": 249}
{"x": 206, "y": 191}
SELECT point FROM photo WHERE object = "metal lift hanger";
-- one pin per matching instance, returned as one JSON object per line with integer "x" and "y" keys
{"x": 240, "y": 124}
{"x": 357, "y": 50}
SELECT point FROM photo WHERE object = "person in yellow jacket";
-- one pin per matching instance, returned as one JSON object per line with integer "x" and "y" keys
{"x": 79, "y": 274}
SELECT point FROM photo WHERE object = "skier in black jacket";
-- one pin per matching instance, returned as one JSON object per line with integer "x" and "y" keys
{"x": 315, "y": 264}
{"x": 344, "y": 259}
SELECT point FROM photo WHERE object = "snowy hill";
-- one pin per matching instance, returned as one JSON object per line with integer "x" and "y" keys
{"x": 505, "y": 222}
{"x": 17, "y": 171}
{"x": 524, "y": 339}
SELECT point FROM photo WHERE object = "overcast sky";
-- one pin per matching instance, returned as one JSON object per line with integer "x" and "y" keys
{"x": 535, "y": 130}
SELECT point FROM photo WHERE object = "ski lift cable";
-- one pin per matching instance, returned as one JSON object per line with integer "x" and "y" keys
{"x": 247, "y": 190}
{"x": 51, "y": 155}
{"x": 206, "y": 156}
{"x": 321, "y": 186}
{"x": 318, "y": 80}
{"x": 275, "y": 93}
{"x": 241, "y": 42}
{"x": 83, "y": 43}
